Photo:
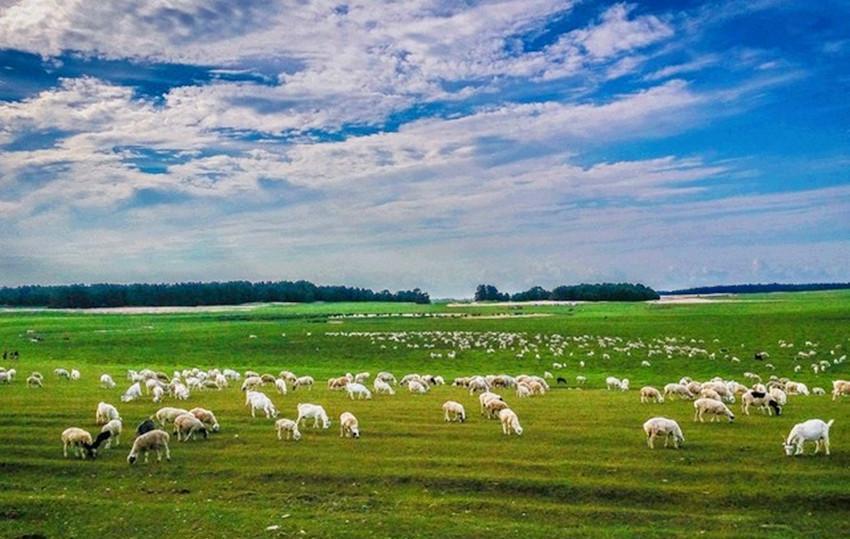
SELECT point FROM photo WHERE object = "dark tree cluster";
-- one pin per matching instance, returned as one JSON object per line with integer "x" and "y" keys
{"x": 580, "y": 292}
{"x": 760, "y": 288}
{"x": 82, "y": 296}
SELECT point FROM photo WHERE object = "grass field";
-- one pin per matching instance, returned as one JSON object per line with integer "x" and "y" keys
{"x": 580, "y": 469}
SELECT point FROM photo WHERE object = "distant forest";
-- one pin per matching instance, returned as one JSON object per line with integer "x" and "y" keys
{"x": 580, "y": 292}
{"x": 82, "y": 296}
{"x": 758, "y": 288}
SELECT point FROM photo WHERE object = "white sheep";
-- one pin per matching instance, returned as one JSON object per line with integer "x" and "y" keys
{"x": 251, "y": 383}
{"x": 361, "y": 377}
{"x": 155, "y": 440}
{"x": 813, "y": 430}
{"x": 361, "y": 391}
{"x": 818, "y": 391}
{"x": 78, "y": 439}
{"x": 133, "y": 392}
{"x": 486, "y": 397}
{"x": 259, "y": 401}
{"x": 713, "y": 407}
{"x": 157, "y": 394}
{"x": 383, "y": 387}
{"x": 314, "y": 412}
{"x": 74, "y": 375}
{"x": 658, "y": 426}
{"x": 280, "y": 385}
{"x": 34, "y": 381}
{"x": 522, "y": 391}
{"x": 106, "y": 381}
{"x": 677, "y": 390}
{"x": 62, "y": 373}
{"x": 650, "y": 394}
{"x": 415, "y": 386}
{"x": 476, "y": 384}
{"x": 105, "y": 413}
{"x": 349, "y": 427}
{"x": 207, "y": 418}
{"x": 454, "y": 411}
{"x": 288, "y": 426}
{"x": 168, "y": 414}
{"x": 186, "y": 426}
{"x": 510, "y": 422}
{"x": 303, "y": 381}
{"x": 113, "y": 427}
{"x": 386, "y": 377}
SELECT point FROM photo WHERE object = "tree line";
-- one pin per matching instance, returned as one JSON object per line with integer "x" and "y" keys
{"x": 85, "y": 296}
{"x": 760, "y": 288}
{"x": 579, "y": 292}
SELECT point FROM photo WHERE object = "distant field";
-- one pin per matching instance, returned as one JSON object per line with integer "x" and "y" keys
{"x": 580, "y": 469}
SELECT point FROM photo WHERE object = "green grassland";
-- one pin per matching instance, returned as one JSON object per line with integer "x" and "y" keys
{"x": 581, "y": 467}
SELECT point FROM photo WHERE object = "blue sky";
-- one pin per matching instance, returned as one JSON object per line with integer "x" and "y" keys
{"x": 425, "y": 143}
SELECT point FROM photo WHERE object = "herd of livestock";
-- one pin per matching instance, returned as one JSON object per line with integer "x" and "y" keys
{"x": 710, "y": 398}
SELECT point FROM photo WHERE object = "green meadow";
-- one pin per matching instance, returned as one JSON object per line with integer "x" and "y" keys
{"x": 581, "y": 467}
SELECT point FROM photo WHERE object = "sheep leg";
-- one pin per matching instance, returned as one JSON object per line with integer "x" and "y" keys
{"x": 65, "y": 449}
{"x": 279, "y": 434}
{"x": 167, "y": 452}
{"x": 146, "y": 455}
{"x": 826, "y": 445}
{"x": 253, "y": 414}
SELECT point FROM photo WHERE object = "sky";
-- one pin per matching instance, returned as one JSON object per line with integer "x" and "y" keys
{"x": 425, "y": 143}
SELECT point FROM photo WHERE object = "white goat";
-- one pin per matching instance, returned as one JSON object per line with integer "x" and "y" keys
{"x": 813, "y": 430}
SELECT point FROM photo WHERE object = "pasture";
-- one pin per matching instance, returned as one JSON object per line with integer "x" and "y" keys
{"x": 581, "y": 468}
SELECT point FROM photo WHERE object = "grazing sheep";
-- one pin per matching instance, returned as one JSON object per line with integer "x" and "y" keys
{"x": 650, "y": 394}
{"x": 713, "y": 407}
{"x": 818, "y": 391}
{"x": 386, "y": 377}
{"x": 415, "y": 386}
{"x": 486, "y": 397}
{"x": 840, "y": 388}
{"x": 454, "y": 411}
{"x": 358, "y": 389}
{"x": 168, "y": 414}
{"x": 510, "y": 422}
{"x": 157, "y": 394}
{"x": 348, "y": 426}
{"x": 280, "y": 385}
{"x": 155, "y": 440}
{"x": 813, "y": 430}
{"x": 113, "y": 427}
{"x": 315, "y": 412}
{"x": 288, "y": 426}
{"x": 677, "y": 390}
{"x": 105, "y": 413}
{"x": 613, "y": 383}
{"x": 206, "y": 417}
{"x": 581, "y": 380}
{"x": 522, "y": 391}
{"x": 62, "y": 373}
{"x": 338, "y": 384}
{"x": 658, "y": 426}
{"x": 133, "y": 392}
{"x": 779, "y": 395}
{"x": 106, "y": 381}
{"x": 259, "y": 401}
{"x": 145, "y": 426}
{"x": 303, "y": 381}
{"x": 764, "y": 401}
{"x": 79, "y": 440}
{"x": 187, "y": 426}
{"x": 494, "y": 407}
{"x": 251, "y": 383}
{"x": 477, "y": 384}
{"x": 796, "y": 388}
{"x": 361, "y": 377}
{"x": 383, "y": 387}
{"x": 709, "y": 393}
{"x": 34, "y": 381}
{"x": 547, "y": 375}
{"x": 74, "y": 375}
